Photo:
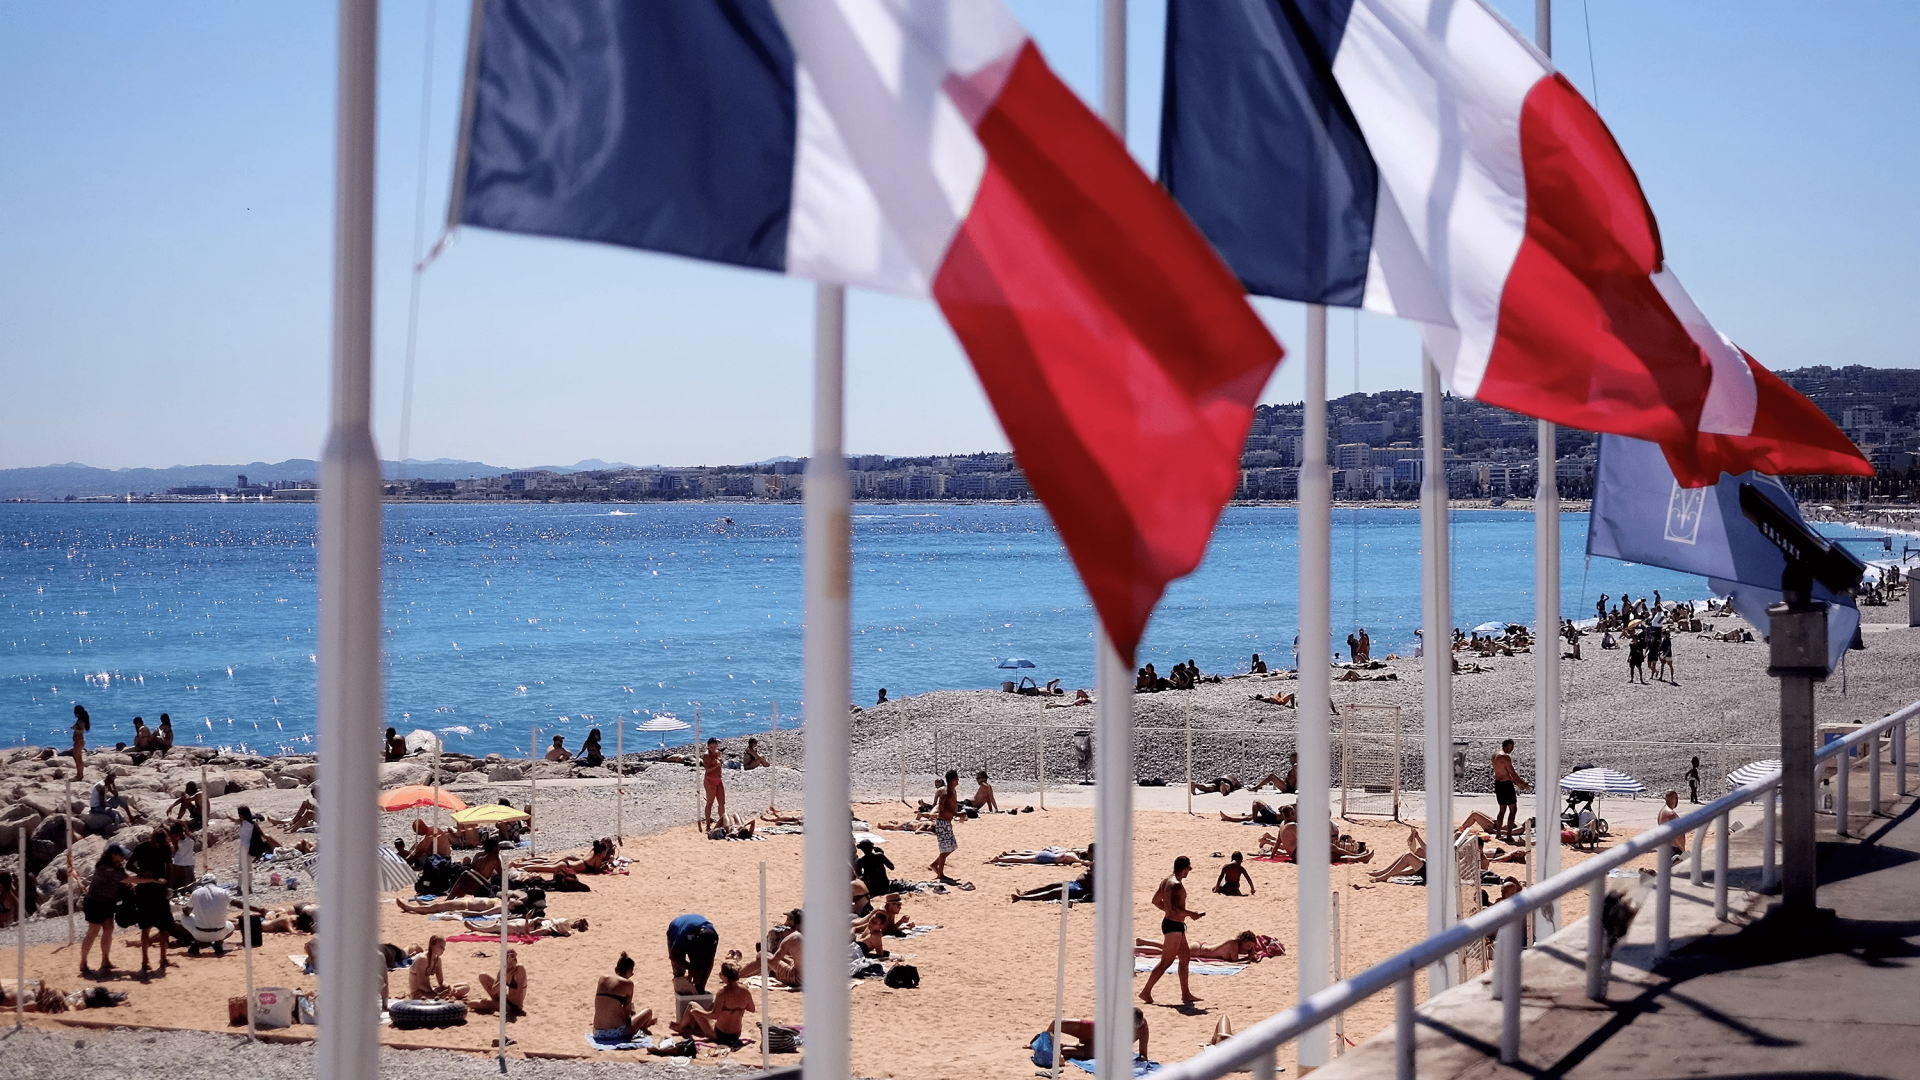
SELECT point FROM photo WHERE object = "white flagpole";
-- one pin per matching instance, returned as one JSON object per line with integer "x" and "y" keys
{"x": 533, "y": 791}
{"x": 620, "y": 779}
{"x": 66, "y": 811}
{"x": 829, "y": 689}
{"x": 1113, "y": 741}
{"x": 349, "y": 693}
{"x": 699, "y": 775}
{"x": 766, "y": 1019}
{"x": 20, "y": 936}
{"x": 1060, "y": 978}
{"x": 1315, "y": 694}
{"x": 1436, "y": 669}
{"x": 246, "y": 937}
{"x": 1546, "y": 592}
{"x": 501, "y": 987}
{"x": 773, "y": 763}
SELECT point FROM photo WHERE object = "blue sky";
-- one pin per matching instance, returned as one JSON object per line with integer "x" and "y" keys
{"x": 165, "y": 240}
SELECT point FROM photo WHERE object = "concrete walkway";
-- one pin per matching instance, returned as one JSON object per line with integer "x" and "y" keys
{"x": 1742, "y": 998}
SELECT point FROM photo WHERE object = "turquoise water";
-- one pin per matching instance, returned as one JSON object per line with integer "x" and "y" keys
{"x": 501, "y": 617}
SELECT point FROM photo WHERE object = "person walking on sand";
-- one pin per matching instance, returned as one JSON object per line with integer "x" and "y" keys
{"x": 1636, "y": 657}
{"x": 1171, "y": 899}
{"x": 716, "y": 788}
{"x": 946, "y": 806}
{"x": 1505, "y": 780}
{"x": 1693, "y": 782}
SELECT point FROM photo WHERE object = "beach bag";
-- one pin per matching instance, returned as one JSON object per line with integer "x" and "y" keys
{"x": 904, "y": 977}
{"x": 435, "y": 877}
{"x": 126, "y": 913}
{"x": 782, "y": 1039}
{"x": 1042, "y": 1046}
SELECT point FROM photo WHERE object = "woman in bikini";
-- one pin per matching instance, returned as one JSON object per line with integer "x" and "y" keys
{"x": 427, "y": 978}
{"x": 716, "y": 789}
{"x": 81, "y": 725}
{"x": 613, "y": 1015}
{"x": 1241, "y": 949}
{"x": 723, "y": 1020}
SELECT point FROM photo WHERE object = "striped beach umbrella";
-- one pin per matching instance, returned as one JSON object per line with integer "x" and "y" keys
{"x": 1602, "y": 782}
{"x": 395, "y": 874}
{"x": 663, "y": 723}
{"x": 1753, "y": 770}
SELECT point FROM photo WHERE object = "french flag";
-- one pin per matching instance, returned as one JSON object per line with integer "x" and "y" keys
{"x": 923, "y": 149}
{"x": 1421, "y": 158}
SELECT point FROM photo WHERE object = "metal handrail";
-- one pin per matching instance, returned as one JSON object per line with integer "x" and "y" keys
{"x": 1256, "y": 1046}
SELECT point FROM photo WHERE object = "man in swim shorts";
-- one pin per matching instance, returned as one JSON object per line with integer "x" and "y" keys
{"x": 1505, "y": 780}
{"x": 946, "y": 807}
{"x": 1171, "y": 899}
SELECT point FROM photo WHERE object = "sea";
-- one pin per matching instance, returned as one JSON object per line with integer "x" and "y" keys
{"x": 503, "y": 618}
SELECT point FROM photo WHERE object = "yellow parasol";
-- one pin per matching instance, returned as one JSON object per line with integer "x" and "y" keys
{"x": 488, "y": 814}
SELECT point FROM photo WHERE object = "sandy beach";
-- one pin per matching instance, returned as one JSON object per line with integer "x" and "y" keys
{"x": 987, "y": 973}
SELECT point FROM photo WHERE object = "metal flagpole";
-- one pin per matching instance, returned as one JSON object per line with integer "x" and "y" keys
{"x": 766, "y": 1020}
{"x": 1436, "y": 669}
{"x": 500, "y": 987}
{"x": 1546, "y": 593}
{"x": 1060, "y": 978}
{"x": 66, "y": 811}
{"x": 1315, "y": 695}
{"x": 773, "y": 761}
{"x": 349, "y": 693}
{"x": 1189, "y": 757}
{"x": 246, "y": 944}
{"x": 829, "y": 690}
{"x": 699, "y": 775}
{"x": 620, "y": 779}
{"x": 533, "y": 790}
{"x": 1113, "y": 742}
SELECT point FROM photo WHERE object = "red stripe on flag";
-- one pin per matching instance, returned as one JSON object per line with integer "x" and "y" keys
{"x": 1120, "y": 354}
{"x": 1584, "y": 338}
{"x": 1790, "y": 437}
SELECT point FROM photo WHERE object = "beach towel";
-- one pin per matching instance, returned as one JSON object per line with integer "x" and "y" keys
{"x": 299, "y": 961}
{"x": 1197, "y": 967}
{"x": 917, "y": 930}
{"x": 1140, "y": 1068}
{"x": 642, "y": 1042}
{"x": 1408, "y": 879}
{"x": 512, "y": 939}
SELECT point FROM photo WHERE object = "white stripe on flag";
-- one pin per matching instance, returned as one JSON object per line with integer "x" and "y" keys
{"x": 1732, "y": 397}
{"x": 1440, "y": 108}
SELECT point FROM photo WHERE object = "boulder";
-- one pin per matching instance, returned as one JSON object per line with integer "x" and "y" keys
{"x": 53, "y": 829}
{"x": 216, "y": 785}
{"x": 594, "y": 772}
{"x": 286, "y": 782}
{"x": 553, "y": 770}
{"x": 502, "y": 773}
{"x": 303, "y": 772}
{"x": 86, "y": 851}
{"x": 245, "y": 780}
{"x": 493, "y": 759}
{"x": 400, "y": 773}
{"x": 10, "y": 832}
{"x": 454, "y": 765}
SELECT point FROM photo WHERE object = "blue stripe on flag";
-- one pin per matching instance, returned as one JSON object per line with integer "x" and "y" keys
{"x": 663, "y": 126}
{"x": 1258, "y": 145}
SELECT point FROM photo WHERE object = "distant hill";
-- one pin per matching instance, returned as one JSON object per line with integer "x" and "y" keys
{"x": 80, "y": 481}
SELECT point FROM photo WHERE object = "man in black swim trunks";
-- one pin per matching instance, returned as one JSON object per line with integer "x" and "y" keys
{"x": 1171, "y": 899}
{"x": 1505, "y": 779}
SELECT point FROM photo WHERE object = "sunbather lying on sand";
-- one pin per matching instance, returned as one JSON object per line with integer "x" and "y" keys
{"x": 1045, "y": 857}
{"x": 1261, "y": 814}
{"x": 732, "y": 827}
{"x": 1079, "y": 698}
{"x": 530, "y": 927}
{"x": 1283, "y": 843}
{"x": 1081, "y": 1031}
{"x": 906, "y": 826}
{"x": 1241, "y": 949}
{"x": 472, "y": 905}
{"x": 775, "y": 817}
{"x": 1412, "y": 864}
{"x": 599, "y": 861}
{"x": 1222, "y": 785}
{"x": 298, "y": 919}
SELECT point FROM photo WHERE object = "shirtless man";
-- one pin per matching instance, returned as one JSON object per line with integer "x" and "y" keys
{"x": 946, "y": 807}
{"x": 613, "y": 1015}
{"x": 1171, "y": 899}
{"x": 516, "y": 989}
{"x": 1285, "y": 785}
{"x": 982, "y": 800}
{"x": 427, "y": 978}
{"x": 879, "y": 924}
{"x": 558, "y": 751}
{"x": 1668, "y": 813}
{"x": 723, "y": 1020}
{"x": 1232, "y": 876}
{"x": 1505, "y": 779}
{"x": 753, "y": 758}
{"x": 715, "y": 788}
{"x": 1261, "y": 814}
{"x": 785, "y": 962}
{"x": 1222, "y": 785}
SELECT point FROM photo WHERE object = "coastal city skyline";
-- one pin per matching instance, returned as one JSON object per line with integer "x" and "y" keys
{"x": 533, "y": 351}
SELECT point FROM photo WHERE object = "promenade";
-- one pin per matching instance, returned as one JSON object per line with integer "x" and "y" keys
{"x": 1741, "y": 998}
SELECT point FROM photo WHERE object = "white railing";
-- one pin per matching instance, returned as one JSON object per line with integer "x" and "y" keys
{"x": 1256, "y": 1047}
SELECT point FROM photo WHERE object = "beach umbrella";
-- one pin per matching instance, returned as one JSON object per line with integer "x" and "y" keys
{"x": 420, "y": 739}
{"x": 1602, "y": 782}
{"x": 488, "y": 814}
{"x": 395, "y": 874}
{"x": 1490, "y": 628}
{"x": 1753, "y": 770}
{"x": 664, "y": 723}
{"x": 1014, "y": 663}
{"x": 415, "y": 796}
